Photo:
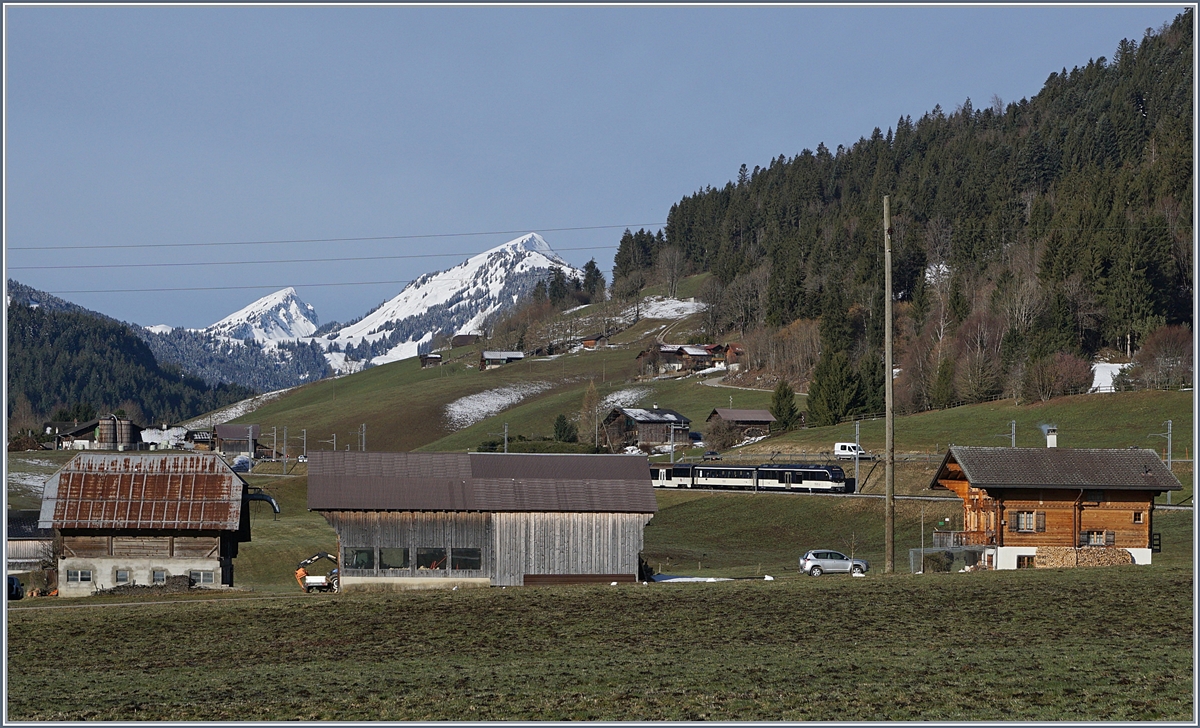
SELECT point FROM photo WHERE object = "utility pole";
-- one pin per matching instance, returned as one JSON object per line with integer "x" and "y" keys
{"x": 363, "y": 436}
{"x": 856, "y": 449}
{"x": 1167, "y": 435}
{"x": 889, "y": 448}
{"x": 304, "y": 442}
{"x": 672, "y": 426}
{"x": 285, "y": 449}
{"x": 274, "y": 441}
{"x": 505, "y": 438}
{"x": 1013, "y": 425}
{"x": 334, "y": 441}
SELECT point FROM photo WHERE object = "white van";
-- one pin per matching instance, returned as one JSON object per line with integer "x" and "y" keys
{"x": 846, "y": 451}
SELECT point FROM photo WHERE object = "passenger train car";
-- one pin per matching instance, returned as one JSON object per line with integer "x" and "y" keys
{"x": 767, "y": 477}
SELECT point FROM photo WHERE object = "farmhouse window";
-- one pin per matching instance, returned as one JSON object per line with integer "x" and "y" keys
{"x": 201, "y": 577}
{"x": 1137, "y": 517}
{"x": 122, "y": 576}
{"x": 79, "y": 576}
{"x": 1097, "y": 538}
{"x": 1030, "y": 521}
{"x": 431, "y": 559}
{"x": 160, "y": 577}
{"x": 1024, "y": 562}
{"x": 466, "y": 559}
{"x": 393, "y": 558}
{"x": 358, "y": 559}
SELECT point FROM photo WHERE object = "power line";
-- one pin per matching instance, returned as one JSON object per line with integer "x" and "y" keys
{"x": 333, "y": 240}
{"x": 240, "y": 288}
{"x": 273, "y": 262}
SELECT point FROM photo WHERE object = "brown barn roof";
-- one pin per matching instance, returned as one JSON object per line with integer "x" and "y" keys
{"x": 236, "y": 432}
{"x": 479, "y": 482}
{"x": 1060, "y": 467}
{"x": 742, "y": 415}
{"x": 192, "y": 492}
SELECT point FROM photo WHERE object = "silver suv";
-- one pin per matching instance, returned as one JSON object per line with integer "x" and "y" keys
{"x": 815, "y": 563}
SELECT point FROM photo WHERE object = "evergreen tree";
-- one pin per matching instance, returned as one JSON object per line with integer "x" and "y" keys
{"x": 593, "y": 279}
{"x": 565, "y": 430}
{"x": 834, "y": 391}
{"x": 783, "y": 406}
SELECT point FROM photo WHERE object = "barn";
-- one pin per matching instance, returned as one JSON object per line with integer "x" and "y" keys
{"x": 1027, "y": 507}
{"x": 626, "y": 426}
{"x": 429, "y": 520}
{"x": 139, "y": 518}
{"x": 752, "y": 423}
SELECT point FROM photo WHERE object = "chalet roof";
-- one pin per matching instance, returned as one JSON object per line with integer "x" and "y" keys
{"x": 653, "y": 415}
{"x": 172, "y": 491}
{"x": 695, "y": 351}
{"x": 1060, "y": 467}
{"x": 23, "y": 526}
{"x": 75, "y": 430}
{"x": 431, "y": 356}
{"x": 348, "y": 480}
{"x": 236, "y": 432}
{"x": 503, "y": 355}
{"x": 741, "y": 415}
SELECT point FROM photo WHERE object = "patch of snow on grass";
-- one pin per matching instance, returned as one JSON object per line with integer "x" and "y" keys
{"x": 466, "y": 411}
{"x": 235, "y": 410}
{"x": 1103, "y": 373}
{"x": 657, "y": 307}
{"x": 28, "y": 483}
{"x": 750, "y": 441}
{"x": 624, "y": 397}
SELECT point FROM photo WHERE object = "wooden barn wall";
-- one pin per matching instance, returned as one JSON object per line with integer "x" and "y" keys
{"x": 413, "y": 530}
{"x": 566, "y": 543}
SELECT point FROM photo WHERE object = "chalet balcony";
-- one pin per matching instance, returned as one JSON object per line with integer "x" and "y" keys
{"x": 950, "y": 539}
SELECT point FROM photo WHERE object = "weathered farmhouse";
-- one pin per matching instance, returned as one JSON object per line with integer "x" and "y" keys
{"x": 236, "y": 439}
{"x": 752, "y": 423}
{"x": 139, "y": 518}
{"x": 430, "y": 360}
{"x": 1053, "y": 506}
{"x": 492, "y": 359}
{"x": 595, "y": 340}
{"x": 106, "y": 433}
{"x": 421, "y": 520}
{"x": 626, "y": 426}
{"x": 28, "y": 547}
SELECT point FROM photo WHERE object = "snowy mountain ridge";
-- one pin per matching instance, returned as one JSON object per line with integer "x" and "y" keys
{"x": 275, "y": 317}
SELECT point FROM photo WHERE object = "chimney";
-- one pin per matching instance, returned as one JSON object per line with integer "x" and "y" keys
{"x": 656, "y": 405}
{"x": 1051, "y": 437}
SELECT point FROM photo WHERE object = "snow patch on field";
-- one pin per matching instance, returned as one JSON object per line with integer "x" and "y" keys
{"x": 657, "y": 307}
{"x": 235, "y": 410}
{"x": 466, "y": 411}
{"x": 27, "y": 483}
{"x": 624, "y": 397}
{"x": 1103, "y": 373}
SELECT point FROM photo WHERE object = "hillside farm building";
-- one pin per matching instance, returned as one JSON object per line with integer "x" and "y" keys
{"x": 28, "y": 546}
{"x": 493, "y": 359}
{"x": 752, "y": 423}
{"x": 430, "y": 360}
{"x": 137, "y": 519}
{"x": 428, "y": 520}
{"x": 236, "y": 439}
{"x": 106, "y": 433}
{"x": 626, "y": 426}
{"x": 464, "y": 340}
{"x": 1052, "y": 506}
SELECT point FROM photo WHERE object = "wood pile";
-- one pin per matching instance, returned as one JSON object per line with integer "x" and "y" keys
{"x": 1059, "y": 557}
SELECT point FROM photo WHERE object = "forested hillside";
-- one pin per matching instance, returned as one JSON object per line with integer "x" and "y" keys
{"x": 1028, "y": 236}
{"x": 65, "y": 358}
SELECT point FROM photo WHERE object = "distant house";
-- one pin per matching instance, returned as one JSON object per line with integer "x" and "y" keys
{"x": 29, "y": 546}
{"x": 626, "y": 426}
{"x": 1031, "y": 507}
{"x": 752, "y": 422}
{"x": 140, "y": 518}
{"x": 430, "y": 360}
{"x": 733, "y": 356}
{"x": 595, "y": 340}
{"x": 464, "y": 340}
{"x": 109, "y": 432}
{"x": 201, "y": 440}
{"x": 430, "y": 520}
{"x": 663, "y": 358}
{"x": 492, "y": 359}
{"x": 236, "y": 439}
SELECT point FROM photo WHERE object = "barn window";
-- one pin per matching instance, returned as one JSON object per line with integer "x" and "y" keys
{"x": 122, "y": 576}
{"x": 393, "y": 558}
{"x": 466, "y": 559}
{"x": 431, "y": 559}
{"x": 160, "y": 577}
{"x": 1137, "y": 517}
{"x": 358, "y": 559}
{"x": 79, "y": 576}
{"x": 201, "y": 577}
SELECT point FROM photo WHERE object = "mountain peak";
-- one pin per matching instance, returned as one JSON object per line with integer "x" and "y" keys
{"x": 275, "y": 316}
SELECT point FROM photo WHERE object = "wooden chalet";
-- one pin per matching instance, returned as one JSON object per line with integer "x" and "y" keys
{"x": 752, "y": 422}
{"x": 140, "y": 518}
{"x": 435, "y": 520}
{"x": 594, "y": 341}
{"x": 1054, "y": 506}
{"x": 430, "y": 360}
{"x": 493, "y": 359}
{"x": 236, "y": 439}
{"x": 625, "y": 426}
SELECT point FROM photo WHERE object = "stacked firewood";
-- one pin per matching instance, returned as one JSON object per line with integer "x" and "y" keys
{"x": 1101, "y": 556}
{"x": 1058, "y": 557}
{"x": 1055, "y": 557}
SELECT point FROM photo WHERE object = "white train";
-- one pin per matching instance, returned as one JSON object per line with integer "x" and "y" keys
{"x": 768, "y": 477}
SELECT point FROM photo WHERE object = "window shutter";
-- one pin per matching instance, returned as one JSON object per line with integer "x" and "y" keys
{"x": 1012, "y": 519}
{"x": 1083, "y": 538}
{"x": 1110, "y": 538}
{"x": 1041, "y": 521}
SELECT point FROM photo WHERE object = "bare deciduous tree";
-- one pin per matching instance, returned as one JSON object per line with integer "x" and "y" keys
{"x": 672, "y": 265}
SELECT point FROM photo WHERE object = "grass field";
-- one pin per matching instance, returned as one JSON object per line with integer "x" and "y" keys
{"x": 1082, "y": 644}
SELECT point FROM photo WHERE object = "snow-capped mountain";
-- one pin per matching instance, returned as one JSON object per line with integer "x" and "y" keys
{"x": 279, "y": 316}
{"x": 453, "y": 301}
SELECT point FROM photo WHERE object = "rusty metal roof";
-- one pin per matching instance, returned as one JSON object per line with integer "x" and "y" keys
{"x": 171, "y": 491}
{"x": 479, "y": 482}
{"x": 1061, "y": 467}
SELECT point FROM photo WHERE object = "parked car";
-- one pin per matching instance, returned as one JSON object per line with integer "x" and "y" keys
{"x": 820, "y": 561}
{"x": 696, "y": 437}
{"x": 711, "y": 455}
{"x": 241, "y": 464}
{"x": 846, "y": 451}
{"x": 15, "y": 589}
{"x": 302, "y": 459}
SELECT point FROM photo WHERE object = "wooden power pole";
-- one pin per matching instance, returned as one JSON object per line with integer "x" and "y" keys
{"x": 889, "y": 467}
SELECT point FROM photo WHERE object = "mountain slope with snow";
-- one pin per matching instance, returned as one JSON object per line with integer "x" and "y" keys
{"x": 278, "y": 316}
{"x": 457, "y": 300}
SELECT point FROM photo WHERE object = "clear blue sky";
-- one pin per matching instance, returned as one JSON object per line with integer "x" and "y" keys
{"x": 168, "y": 126}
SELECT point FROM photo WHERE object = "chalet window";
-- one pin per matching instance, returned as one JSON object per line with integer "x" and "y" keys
{"x": 431, "y": 559}
{"x": 1030, "y": 521}
{"x": 201, "y": 577}
{"x": 1097, "y": 538}
{"x": 79, "y": 576}
{"x": 160, "y": 577}
{"x": 466, "y": 559}
{"x": 393, "y": 558}
{"x": 1137, "y": 517}
{"x": 122, "y": 576}
{"x": 358, "y": 559}
{"x": 1024, "y": 562}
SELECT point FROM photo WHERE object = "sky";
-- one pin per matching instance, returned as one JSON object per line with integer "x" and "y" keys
{"x": 175, "y": 128}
